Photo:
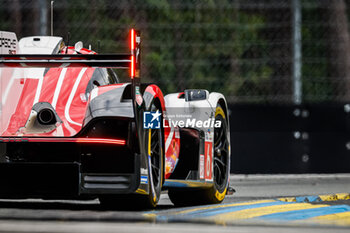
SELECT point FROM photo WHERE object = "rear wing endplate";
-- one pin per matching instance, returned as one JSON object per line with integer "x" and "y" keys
{"x": 8, "y": 43}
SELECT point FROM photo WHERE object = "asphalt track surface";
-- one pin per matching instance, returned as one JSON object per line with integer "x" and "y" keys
{"x": 262, "y": 203}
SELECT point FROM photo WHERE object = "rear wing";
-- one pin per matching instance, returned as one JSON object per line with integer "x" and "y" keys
{"x": 120, "y": 61}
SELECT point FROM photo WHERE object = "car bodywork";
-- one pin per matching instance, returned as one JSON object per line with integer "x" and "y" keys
{"x": 70, "y": 129}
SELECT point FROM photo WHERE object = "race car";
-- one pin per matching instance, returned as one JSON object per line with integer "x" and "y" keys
{"x": 71, "y": 130}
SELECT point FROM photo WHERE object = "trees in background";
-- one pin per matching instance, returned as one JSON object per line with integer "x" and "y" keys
{"x": 239, "y": 47}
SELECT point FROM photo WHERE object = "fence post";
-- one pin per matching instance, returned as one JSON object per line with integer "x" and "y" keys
{"x": 297, "y": 53}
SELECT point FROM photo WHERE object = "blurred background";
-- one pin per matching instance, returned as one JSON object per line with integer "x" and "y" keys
{"x": 283, "y": 65}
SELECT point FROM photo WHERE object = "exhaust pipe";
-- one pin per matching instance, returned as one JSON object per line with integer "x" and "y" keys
{"x": 46, "y": 117}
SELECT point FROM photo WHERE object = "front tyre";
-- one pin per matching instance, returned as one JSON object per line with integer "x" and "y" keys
{"x": 221, "y": 160}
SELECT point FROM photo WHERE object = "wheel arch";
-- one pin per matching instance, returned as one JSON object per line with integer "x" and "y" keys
{"x": 218, "y": 98}
{"x": 153, "y": 92}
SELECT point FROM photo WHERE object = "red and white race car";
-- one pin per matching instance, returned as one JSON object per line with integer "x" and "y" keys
{"x": 70, "y": 130}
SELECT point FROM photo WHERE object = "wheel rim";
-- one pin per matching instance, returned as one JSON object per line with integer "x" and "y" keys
{"x": 220, "y": 153}
{"x": 155, "y": 152}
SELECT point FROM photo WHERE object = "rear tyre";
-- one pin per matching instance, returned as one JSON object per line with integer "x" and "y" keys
{"x": 156, "y": 171}
{"x": 155, "y": 155}
{"x": 221, "y": 160}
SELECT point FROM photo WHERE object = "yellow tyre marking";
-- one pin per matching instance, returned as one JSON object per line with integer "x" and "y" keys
{"x": 150, "y": 169}
{"x": 150, "y": 154}
{"x": 141, "y": 191}
{"x": 220, "y": 196}
{"x": 149, "y": 142}
{"x": 257, "y": 212}
{"x": 219, "y": 111}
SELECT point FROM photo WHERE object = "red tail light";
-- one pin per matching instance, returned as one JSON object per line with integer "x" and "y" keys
{"x": 76, "y": 140}
{"x": 132, "y": 40}
{"x": 101, "y": 140}
{"x": 132, "y": 47}
{"x": 132, "y": 69}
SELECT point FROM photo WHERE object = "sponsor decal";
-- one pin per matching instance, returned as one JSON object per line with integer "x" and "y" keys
{"x": 139, "y": 99}
{"x": 151, "y": 120}
{"x": 209, "y": 136}
{"x": 201, "y": 167}
{"x": 144, "y": 180}
{"x": 8, "y": 43}
{"x": 192, "y": 123}
{"x": 208, "y": 160}
{"x": 143, "y": 171}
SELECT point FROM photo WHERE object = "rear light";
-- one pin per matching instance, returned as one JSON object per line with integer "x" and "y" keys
{"x": 74, "y": 140}
{"x": 101, "y": 140}
{"x": 132, "y": 47}
{"x": 132, "y": 68}
{"x": 132, "y": 40}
